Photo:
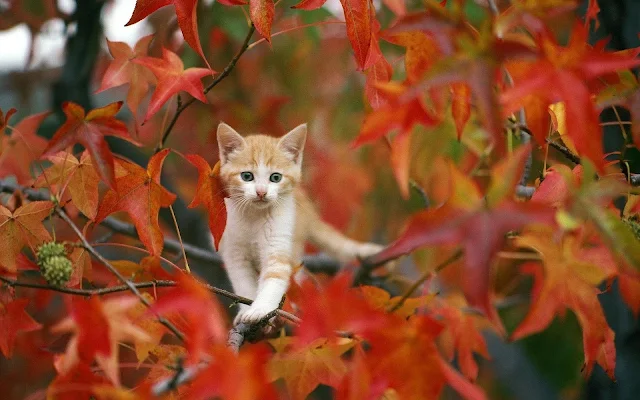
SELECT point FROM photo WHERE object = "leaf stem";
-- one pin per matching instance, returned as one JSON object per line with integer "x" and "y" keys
{"x": 454, "y": 257}
{"x": 225, "y": 72}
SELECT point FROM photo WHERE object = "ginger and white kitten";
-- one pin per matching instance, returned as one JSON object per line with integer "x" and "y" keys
{"x": 269, "y": 218}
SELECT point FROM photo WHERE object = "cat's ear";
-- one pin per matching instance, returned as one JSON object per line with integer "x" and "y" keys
{"x": 293, "y": 142}
{"x": 228, "y": 141}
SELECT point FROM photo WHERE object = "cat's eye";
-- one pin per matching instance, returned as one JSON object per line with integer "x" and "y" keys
{"x": 275, "y": 177}
{"x": 246, "y": 176}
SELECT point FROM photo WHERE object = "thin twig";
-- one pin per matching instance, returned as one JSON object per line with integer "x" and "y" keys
{"x": 130, "y": 285}
{"x": 454, "y": 257}
{"x": 226, "y": 71}
{"x": 138, "y": 285}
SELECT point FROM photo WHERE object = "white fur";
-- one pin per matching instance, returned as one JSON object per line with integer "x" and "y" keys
{"x": 249, "y": 238}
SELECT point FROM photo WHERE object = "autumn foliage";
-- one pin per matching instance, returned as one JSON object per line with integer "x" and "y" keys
{"x": 466, "y": 133}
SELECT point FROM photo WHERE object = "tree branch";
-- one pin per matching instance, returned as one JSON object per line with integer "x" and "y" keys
{"x": 139, "y": 285}
{"x": 313, "y": 263}
{"x": 454, "y": 257}
{"x": 226, "y": 71}
{"x": 130, "y": 285}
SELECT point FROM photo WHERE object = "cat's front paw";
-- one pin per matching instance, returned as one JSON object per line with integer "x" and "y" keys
{"x": 253, "y": 313}
{"x": 368, "y": 249}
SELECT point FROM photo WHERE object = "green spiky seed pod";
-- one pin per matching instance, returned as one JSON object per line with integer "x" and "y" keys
{"x": 634, "y": 225}
{"x": 48, "y": 250}
{"x": 57, "y": 270}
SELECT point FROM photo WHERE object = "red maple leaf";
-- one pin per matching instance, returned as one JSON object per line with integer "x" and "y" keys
{"x": 14, "y": 319}
{"x": 240, "y": 376}
{"x": 196, "y": 311}
{"x": 361, "y": 22}
{"x": 401, "y": 117}
{"x": 89, "y": 129}
{"x": 77, "y": 384}
{"x": 187, "y": 19}
{"x": 22, "y": 227}
{"x": 563, "y": 73}
{"x": 20, "y": 149}
{"x": 478, "y": 225}
{"x": 568, "y": 280}
{"x": 78, "y": 176}
{"x": 139, "y": 193}
{"x": 321, "y": 318}
{"x": 98, "y": 326}
{"x": 172, "y": 78}
{"x": 122, "y": 70}
{"x": 210, "y": 193}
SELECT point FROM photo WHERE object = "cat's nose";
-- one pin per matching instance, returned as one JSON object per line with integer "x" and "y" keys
{"x": 261, "y": 193}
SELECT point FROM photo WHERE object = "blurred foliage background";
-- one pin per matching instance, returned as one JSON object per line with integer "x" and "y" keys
{"x": 308, "y": 75}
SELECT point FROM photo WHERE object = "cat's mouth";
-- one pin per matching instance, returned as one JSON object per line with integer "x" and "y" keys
{"x": 261, "y": 203}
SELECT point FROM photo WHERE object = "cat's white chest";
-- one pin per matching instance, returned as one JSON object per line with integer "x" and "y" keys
{"x": 256, "y": 234}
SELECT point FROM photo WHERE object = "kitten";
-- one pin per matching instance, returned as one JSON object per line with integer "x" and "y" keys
{"x": 269, "y": 218}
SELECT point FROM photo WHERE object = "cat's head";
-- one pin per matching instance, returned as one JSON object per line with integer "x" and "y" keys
{"x": 259, "y": 170}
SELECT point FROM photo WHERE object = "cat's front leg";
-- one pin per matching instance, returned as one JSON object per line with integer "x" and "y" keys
{"x": 242, "y": 274}
{"x": 272, "y": 286}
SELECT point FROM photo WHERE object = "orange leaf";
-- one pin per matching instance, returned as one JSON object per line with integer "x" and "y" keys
{"x": 481, "y": 232}
{"x": 98, "y": 326}
{"x": 201, "y": 313}
{"x": 122, "y": 70}
{"x": 460, "y": 106}
{"x": 262, "y": 12}
{"x": 400, "y": 116}
{"x": 14, "y": 319}
{"x": 22, "y": 227}
{"x": 210, "y": 193}
{"x": 172, "y": 78}
{"x": 20, "y": 149}
{"x": 461, "y": 334}
{"x": 234, "y": 376}
{"x": 422, "y": 52}
{"x": 187, "y": 19}
{"x": 565, "y": 73}
{"x": 568, "y": 281}
{"x": 305, "y": 368}
{"x": 78, "y": 176}
{"x": 358, "y": 15}
{"x": 89, "y": 129}
{"x": 140, "y": 194}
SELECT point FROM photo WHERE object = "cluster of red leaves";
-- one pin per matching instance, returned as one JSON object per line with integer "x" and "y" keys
{"x": 353, "y": 339}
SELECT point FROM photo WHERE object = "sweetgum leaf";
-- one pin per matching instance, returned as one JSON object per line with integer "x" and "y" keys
{"x": 568, "y": 281}
{"x": 305, "y": 368}
{"x": 140, "y": 194}
{"x": 22, "y": 227}
{"x": 14, "y": 319}
{"x": 19, "y": 150}
{"x": 98, "y": 326}
{"x": 187, "y": 19}
{"x": 78, "y": 176}
{"x": 122, "y": 70}
{"x": 89, "y": 129}
{"x": 198, "y": 312}
{"x": 172, "y": 78}
{"x": 210, "y": 194}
